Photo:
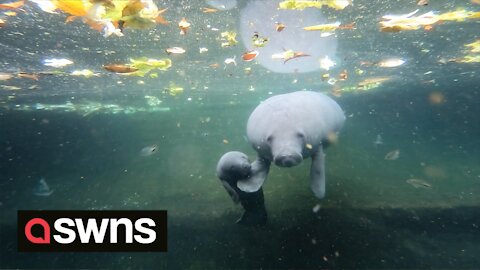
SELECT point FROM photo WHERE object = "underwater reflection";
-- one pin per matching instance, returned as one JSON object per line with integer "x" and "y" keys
{"x": 278, "y": 36}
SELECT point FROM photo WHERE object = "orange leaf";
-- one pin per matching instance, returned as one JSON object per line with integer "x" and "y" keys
{"x": 12, "y": 5}
{"x": 159, "y": 19}
{"x": 70, "y": 19}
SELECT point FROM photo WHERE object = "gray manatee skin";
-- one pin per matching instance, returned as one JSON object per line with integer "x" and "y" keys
{"x": 288, "y": 128}
{"x": 233, "y": 167}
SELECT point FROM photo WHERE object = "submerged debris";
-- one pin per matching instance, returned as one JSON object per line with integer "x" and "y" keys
{"x": 343, "y": 75}
{"x": 378, "y": 140}
{"x": 419, "y": 183}
{"x": 57, "y": 63}
{"x": 109, "y": 17}
{"x": 145, "y": 65}
{"x": 250, "y": 55}
{"x": 31, "y": 76}
{"x": 302, "y": 4}
{"x": 393, "y": 155}
{"x": 149, "y": 150}
{"x": 209, "y": 10}
{"x": 473, "y": 55}
{"x": 436, "y": 98}
{"x": 279, "y": 26}
{"x": 5, "y": 76}
{"x": 12, "y": 5}
{"x": 184, "y": 26}
{"x": 174, "y": 89}
{"x": 326, "y": 63}
{"x": 405, "y": 22}
{"x": 258, "y": 41}
{"x": 391, "y": 62}
{"x": 373, "y": 82}
{"x": 120, "y": 68}
{"x": 42, "y": 189}
{"x": 466, "y": 59}
{"x": 397, "y": 23}
{"x": 231, "y": 60}
{"x": 329, "y": 27}
{"x": 288, "y": 55}
{"x": 152, "y": 100}
{"x": 175, "y": 50}
{"x": 228, "y": 38}
{"x": 86, "y": 108}
{"x": 422, "y": 2}
{"x": 474, "y": 46}
{"x": 84, "y": 72}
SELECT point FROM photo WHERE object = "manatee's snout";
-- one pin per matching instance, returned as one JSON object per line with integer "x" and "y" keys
{"x": 244, "y": 169}
{"x": 288, "y": 160}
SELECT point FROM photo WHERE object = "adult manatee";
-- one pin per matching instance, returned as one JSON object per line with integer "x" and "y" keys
{"x": 288, "y": 128}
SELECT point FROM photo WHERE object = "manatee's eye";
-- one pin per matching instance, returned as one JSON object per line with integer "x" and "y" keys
{"x": 269, "y": 138}
{"x": 300, "y": 135}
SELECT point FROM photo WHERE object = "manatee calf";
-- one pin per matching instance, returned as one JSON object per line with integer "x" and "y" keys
{"x": 231, "y": 168}
{"x": 285, "y": 129}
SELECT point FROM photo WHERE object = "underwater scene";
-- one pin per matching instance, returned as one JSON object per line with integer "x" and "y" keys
{"x": 297, "y": 134}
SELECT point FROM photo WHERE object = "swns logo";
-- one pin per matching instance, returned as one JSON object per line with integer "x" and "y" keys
{"x": 92, "y": 231}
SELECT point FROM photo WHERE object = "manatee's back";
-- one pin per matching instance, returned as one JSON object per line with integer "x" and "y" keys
{"x": 314, "y": 112}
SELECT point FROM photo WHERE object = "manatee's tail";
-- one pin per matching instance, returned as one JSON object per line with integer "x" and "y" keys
{"x": 254, "y": 204}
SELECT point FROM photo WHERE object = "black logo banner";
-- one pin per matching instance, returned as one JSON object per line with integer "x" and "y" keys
{"x": 95, "y": 231}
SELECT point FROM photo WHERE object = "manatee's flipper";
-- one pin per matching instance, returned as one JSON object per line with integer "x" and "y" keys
{"x": 260, "y": 168}
{"x": 317, "y": 173}
{"x": 255, "y": 213}
{"x": 231, "y": 191}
